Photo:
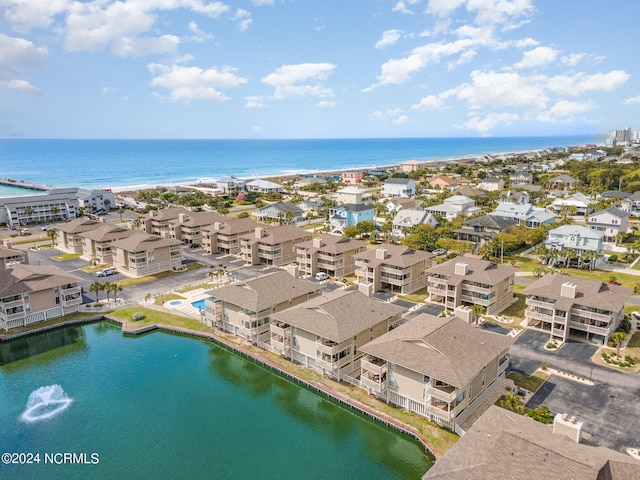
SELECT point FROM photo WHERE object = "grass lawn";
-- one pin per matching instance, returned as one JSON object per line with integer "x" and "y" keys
{"x": 525, "y": 264}
{"x": 167, "y": 298}
{"x": 532, "y": 383}
{"x": 517, "y": 308}
{"x": 127, "y": 282}
{"x": 417, "y": 297}
{"x": 635, "y": 341}
{"x": 625, "y": 279}
{"x": 90, "y": 269}
{"x": 67, "y": 256}
{"x": 152, "y": 317}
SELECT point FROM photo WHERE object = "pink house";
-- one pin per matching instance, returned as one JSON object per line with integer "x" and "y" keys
{"x": 353, "y": 178}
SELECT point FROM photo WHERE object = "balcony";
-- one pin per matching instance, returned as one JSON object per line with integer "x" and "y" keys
{"x": 436, "y": 291}
{"x": 585, "y": 327}
{"x": 537, "y": 303}
{"x": 374, "y": 366}
{"x": 476, "y": 289}
{"x": 446, "y": 394}
{"x": 331, "y": 348}
{"x": 328, "y": 363}
{"x": 373, "y": 386}
{"x": 591, "y": 315}
{"x": 535, "y": 315}
{"x": 12, "y": 304}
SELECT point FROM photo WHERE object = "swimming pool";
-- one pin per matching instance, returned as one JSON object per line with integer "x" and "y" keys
{"x": 175, "y": 302}
{"x": 200, "y": 305}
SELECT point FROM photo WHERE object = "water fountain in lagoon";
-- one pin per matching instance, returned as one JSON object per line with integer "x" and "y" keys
{"x": 45, "y": 402}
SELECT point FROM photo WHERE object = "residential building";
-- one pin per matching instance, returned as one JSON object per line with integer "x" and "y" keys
{"x": 412, "y": 166}
{"x": 503, "y": 445}
{"x": 394, "y": 268}
{"x": 349, "y": 215}
{"x": 481, "y": 229}
{"x": 34, "y": 293}
{"x": 188, "y": 226}
{"x": 230, "y": 185}
{"x": 520, "y": 177}
{"x": 472, "y": 281}
{"x": 441, "y": 368}
{"x": 329, "y": 254}
{"x": 144, "y": 254}
{"x": 310, "y": 205}
{"x": 405, "y": 220}
{"x": 54, "y": 205}
{"x": 96, "y": 200}
{"x": 399, "y": 187}
{"x": 245, "y": 308}
{"x": 326, "y": 332}
{"x": 442, "y": 182}
{"x": 469, "y": 192}
{"x": 157, "y": 222}
{"x": 97, "y": 243}
{"x": 574, "y": 307}
{"x": 10, "y": 256}
{"x": 282, "y": 212}
{"x": 69, "y": 235}
{"x": 491, "y": 184}
{"x": 524, "y": 214}
{"x": 611, "y": 221}
{"x": 352, "y": 178}
{"x": 575, "y": 204}
{"x": 394, "y": 205}
{"x": 562, "y": 182}
{"x": 455, "y": 206}
{"x": 631, "y": 204}
{"x": 272, "y": 246}
{"x": 580, "y": 239}
{"x": 306, "y": 182}
{"x": 351, "y": 195}
{"x": 224, "y": 236}
{"x": 519, "y": 197}
{"x": 264, "y": 186}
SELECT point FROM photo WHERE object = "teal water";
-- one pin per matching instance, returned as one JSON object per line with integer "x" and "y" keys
{"x": 167, "y": 406}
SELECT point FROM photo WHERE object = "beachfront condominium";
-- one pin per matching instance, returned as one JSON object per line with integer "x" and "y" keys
{"x": 157, "y": 222}
{"x": 472, "y": 281}
{"x": 69, "y": 235}
{"x": 188, "y": 227}
{"x": 272, "y": 246}
{"x": 326, "y": 332}
{"x": 329, "y": 254}
{"x": 144, "y": 254}
{"x": 580, "y": 308}
{"x": 393, "y": 268}
{"x": 442, "y": 368}
{"x": 224, "y": 236}
{"x": 34, "y": 293}
{"x": 244, "y": 308}
{"x": 97, "y": 243}
{"x": 10, "y": 256}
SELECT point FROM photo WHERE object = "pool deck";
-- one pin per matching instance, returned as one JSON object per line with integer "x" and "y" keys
{"x": 189, "y": 297}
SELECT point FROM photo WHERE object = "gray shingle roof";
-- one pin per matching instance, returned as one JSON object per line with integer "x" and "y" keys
{"x": 332, "y": 244}
{"x": 276, "y": 235}
{"x": 105, "y": 232}
{"x": 478, "y": 270}
{"x": 141, "y": 241}
{"x": 397, "y": 255}
{"x": 78, "y": 225}
{"x": 21, "y": 278}
{"x": 265, "y": 292}
{"x": 447, "y": 349}
{"x": 503, "y": 445}
{"x": 338, "y": 315}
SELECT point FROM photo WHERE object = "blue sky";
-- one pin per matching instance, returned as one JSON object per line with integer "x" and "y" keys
{"x": 316, "y": 68}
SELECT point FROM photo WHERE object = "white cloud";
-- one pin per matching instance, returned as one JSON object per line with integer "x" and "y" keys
{"x": 537, "y": 57}
{"x": 500, "y": 12}
{"x": 107, "y": 90}
{"x": 490, "y": 122}
{"x": 465, "y": 58}
{"x": 254, "y": 102}
{"x": 581, "y": 83}
{"x": 402, "y": 8}
{"x": 194, "y": 83}
{"x": 526, "y": 43}
{"x": 261, "y": 3}
{"x": 326, "y": 104}
{"x": 389, "y": 37}
{"x": 564, "y": 109}
{"x": 243, "y": 17}
{"x": 443, "y": 8}
{"x": 401, "y": 120}
{"x": 17, "y": 52}
{"x": 28, "y": 14}
{"x": 632, "y": 101}
{"x": 572, "y": 59}
{"x": 198, "y": 35}
{"x": 300, "y": 80}
{"x": 21, "y": 85}
{"x": 429, "y": 103}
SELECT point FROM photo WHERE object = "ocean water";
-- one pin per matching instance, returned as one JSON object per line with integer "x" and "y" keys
{"x": 123, "y": 163}
{"x": 167, "y": 406}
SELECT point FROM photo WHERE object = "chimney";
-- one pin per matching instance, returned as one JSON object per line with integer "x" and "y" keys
{"x": 465, "y": 313}
{"x": 461, "y": 268}
{"x": 317, "y": 242}
{"x": 568, "y": 290}
{"x": 381, "y": 253}
{"x": 182, "y": 217}
{"x": 366, "y": 288}
{"x": 259, "y": 232}
{"x": 568, "y": 426}
{"x": 7, "y": 244}
{"x": 216, "y": 225}
{"x": 292, "y": 268}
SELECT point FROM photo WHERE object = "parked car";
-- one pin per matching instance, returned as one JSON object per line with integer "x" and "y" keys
{"x": 46, "y": 227}
{"x": 439, "y": 251}
{"x": 105, "y": 272}
{"x": 322, "y": 276}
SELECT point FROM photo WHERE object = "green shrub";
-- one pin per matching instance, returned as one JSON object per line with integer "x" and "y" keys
{"x": 543, "y": 367}
{"x": 613, "y": 258}
{"x": 551, "y": 345}
{"x": 138, "y": 316}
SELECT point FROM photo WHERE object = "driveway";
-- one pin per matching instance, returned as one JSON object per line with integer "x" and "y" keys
{"x": 609, "y": 408}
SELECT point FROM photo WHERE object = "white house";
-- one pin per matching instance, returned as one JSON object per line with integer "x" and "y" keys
{"x": 526, "y": 214}
{"x": 491, "y": 184}
{"x": 405, "y": 220}
{"x": 580, "y": 239}
{"x": 455, "y": 206}
{"x": 399, "y": 187}
{"x": 631, "y": 204}
{"x": 611, "y": 221}
{"x": 230, "y": 185}
{"x": 351, "y": 194}
{"x": 264, "y": 186}
{"x": 578, "y": 200}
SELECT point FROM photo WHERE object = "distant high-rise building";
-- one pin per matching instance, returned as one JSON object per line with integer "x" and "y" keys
{"x": 617, "y": 137}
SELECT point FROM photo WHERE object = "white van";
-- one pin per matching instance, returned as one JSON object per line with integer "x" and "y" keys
{"x": 322, "y": 276}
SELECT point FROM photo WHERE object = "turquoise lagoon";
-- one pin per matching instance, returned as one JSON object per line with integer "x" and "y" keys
{"x": 169, "y": 406}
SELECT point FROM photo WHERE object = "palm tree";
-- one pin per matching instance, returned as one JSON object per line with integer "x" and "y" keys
{"x": 617, "y": 338}
{"x": 137, "y": 222}
{"x": 54, "y": 211}
{"x": 280, "y": 217}
{"x": 488, "y": 248}
{"x": 115, "y": 288}
{"x": 107, "y": 288}
{"x": 28, "y": 211}
{"x": 512, "y": 402}
{"x": 107, "y": 204}
{"x": 120, "y": 212}
{"x": 96, "y": 287}
{"x": 289, "y": 216}
{"x": 51, "y": 233}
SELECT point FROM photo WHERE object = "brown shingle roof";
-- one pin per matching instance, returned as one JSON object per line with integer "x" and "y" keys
{"x": 199, "y": 219}
{"x": 232, "y": 226}
{"x": 338, "y": 315}
{"x": 21, "y": 278}
{"x": 141, "y": 241}
{"x": 591, "y": 293}
{"x": 105, "y": 232}
{"x": 167, "y": 213}
{"x": 78, "y": 225}
{"x": 396, "y": 255}
{"x": 332, "y": 244}
{"x": 276, "y": 235}
{"x": 503, "y": 445}
{"x": 478, "y": 270}
{"x": 265, "y": 292}
{"x": 448, "y": 349}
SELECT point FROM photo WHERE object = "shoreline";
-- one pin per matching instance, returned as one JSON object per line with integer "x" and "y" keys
{"x": 239, "y": 349}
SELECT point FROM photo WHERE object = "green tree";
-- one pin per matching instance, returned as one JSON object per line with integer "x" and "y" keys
{"x": 51, "y": 233}
{"x": 243, "y": 215}
{"x": 512, "y": 402}
{"x": 617, "y": 338}
{"x": 96, "y": 287}
{"x": 28, "y": 211}
{"x": 54, "y": 211}
{"x": 115, "y": 288}
{"x": 351, "y": 232}
{"x": 422, "y": 237}
{"x": 541, "y": 414}
{"x": 107, "y": 204}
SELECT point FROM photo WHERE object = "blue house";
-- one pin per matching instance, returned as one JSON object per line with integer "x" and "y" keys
{"x": 349, "y": 215}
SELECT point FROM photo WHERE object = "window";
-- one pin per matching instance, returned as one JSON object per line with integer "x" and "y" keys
{"x": 295, "y": 342}
{"x": 392, "y": 381}
{"x": 392, "y": 366}
{"x": 426, "y": 379}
